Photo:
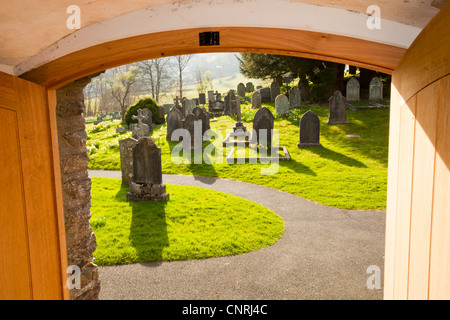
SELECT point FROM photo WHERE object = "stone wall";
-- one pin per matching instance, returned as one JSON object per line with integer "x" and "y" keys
{"x": 76, "y": 187}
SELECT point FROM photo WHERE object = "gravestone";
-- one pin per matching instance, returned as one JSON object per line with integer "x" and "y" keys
{"x": 196, "y": 138}
{"x": 167, "y": 107}
{"x": 249, "y": 87}
{"x": 174, "y": 121}
{"x": 263, "y": 127}
{"x": 239, "y": 126}
{"x": 126, "y": 158}
{"x": 295, "y": 100}
{"x": 337, "y": 109}
{"x": 281, "y": 105}
{"x": 148, "y": 120}
{"x": 203, "y": 116}
{"x": 147, "y": 173}
{"x": 265, "y": 94}
{"x": 189, "y": 106}
{"x": 202, "y": 98}
{"x": 274, "y": 90}
{"x": 309, "y": 130}
{"x": 140, "y": 129}
{"x": 211, "y": 96}
{"x": 241, "y": 90}
{"x": 217, "y": 106}
{"x": 376, "y": 90}
{"x": 230, "y": 104}
{"x": 256, "y": 100}
{"x": 353, "y": 90}
{"x": 161, "y": 114}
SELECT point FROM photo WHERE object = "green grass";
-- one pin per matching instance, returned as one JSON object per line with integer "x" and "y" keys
{"x": 191, "y": 225}
{"x": 348, "y": 173}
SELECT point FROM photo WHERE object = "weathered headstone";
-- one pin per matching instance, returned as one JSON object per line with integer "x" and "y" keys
{"x": 281, "y": 104}
{"x": 202, "y": 98}
{"x": 211, "y": 96}
{"x": 174, "y": 121}
{"x": 256, "y": 100}
{"x": 189, "y": 105}
{"x": 196, "y": 137}
{"x": 230, "y": 105}
{"x": 239, "y": 126}
{"x": 203, "y": 116}
{"x": 295, "y": 100}
{"x": 263, "y": 127}
{"x": 265, "y": 94}
{"x": 337, "y": 109}
{"x": 249, "y": 87}
{"x": 161, "y": 114}
{"x": 148, "y": 120}
{"x": 147, "y": 173}
{"x": 376, "y": 89}
{"x": 241, "y": 90}
{"x": 309, "y": 130}
{"x": 126, "y": 158}
{"x": 274, "y": 90}
{"x": 353, "y": 90}
{"x": 140, "y": 129}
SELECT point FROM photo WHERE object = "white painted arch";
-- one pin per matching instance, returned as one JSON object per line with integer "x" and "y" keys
{"x": 192, "y": 14}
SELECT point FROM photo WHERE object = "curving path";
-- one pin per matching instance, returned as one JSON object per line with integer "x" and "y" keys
{"x": 324, "y": 253}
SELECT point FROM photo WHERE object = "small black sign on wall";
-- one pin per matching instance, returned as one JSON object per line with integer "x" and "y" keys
{"x": 209, "y": 38}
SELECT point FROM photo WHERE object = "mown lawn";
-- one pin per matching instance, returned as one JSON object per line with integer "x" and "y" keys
{"x": 195, "y": 223}
{"x": 346, "y": 172}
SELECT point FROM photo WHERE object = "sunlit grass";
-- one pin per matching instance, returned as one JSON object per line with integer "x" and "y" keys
{"x": 346, "y": 172}
{"x": 195, "y": 223}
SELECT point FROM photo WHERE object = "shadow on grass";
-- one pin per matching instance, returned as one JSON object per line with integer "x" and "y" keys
{"x": 298, "y": 167}
{"x": 148, "y": 231}
{"x": 336, "y": 156}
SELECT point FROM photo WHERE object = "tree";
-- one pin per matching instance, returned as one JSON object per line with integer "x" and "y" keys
{"x": 180, "y": 64}
{"x": 319, "y": 77}
{"x": 120, "y": 85}
{"x": 204, "y": 85}
{"x": 155, "y": 76}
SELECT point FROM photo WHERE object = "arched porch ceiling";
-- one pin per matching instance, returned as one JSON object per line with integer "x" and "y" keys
{"x": 119, "y": 32}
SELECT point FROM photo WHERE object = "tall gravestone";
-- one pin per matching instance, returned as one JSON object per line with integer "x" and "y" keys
{"x": 249, "y": 87}
{"x": 274, "y": 90}
{"x": 202, "y": 98}
{"x": 126, "y": 158}
{"x": 309, "y": 130}
{"x": 376, "y": 89}
{"x": 211, "y": 96}
{"x": 263, "y": 127}
{"x": 195, "y": 136}
{"x": 281, "y": 105}
{"x": 337, "y": 109}
{"x": 140, "y": 129}
{"x": 295, "y": 100}
{"x": 239, "y": 126}
{"x": 256, "y": 100}
{"x": 147, "y": 173}
{"x": 241, "y": 90}
{"x": 353, "y": 90}
{"x": 174, "y": 121}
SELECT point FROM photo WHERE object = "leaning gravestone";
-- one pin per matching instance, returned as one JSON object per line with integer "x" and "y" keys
{"x": 274, "y": 90}
{"x": 126, "y": 158}
{"x": 263, "y": 127}
{"x": 294, "y": 98}
{"x": 353, "y": 90}
{"x": 281, "y": 104}
{"x": 196, "y": 138}
{"x": 140, "y": 129}
{"x": 309, "y": 130}
{"x": 337, "y": 109}
{"x": 256, "y": 100}
{"x": 174, "y": 121}
{"x": 376, "y": 90}
{"x": 241, "y": 90}
{"x": 147, "y": 173}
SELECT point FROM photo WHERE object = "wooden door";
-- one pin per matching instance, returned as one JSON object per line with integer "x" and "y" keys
{"x": 32, "y": 242}
{"x": 417, "y": 260}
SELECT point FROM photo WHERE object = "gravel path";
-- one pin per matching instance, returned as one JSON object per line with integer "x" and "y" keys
{"x": 324, "y": 253}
